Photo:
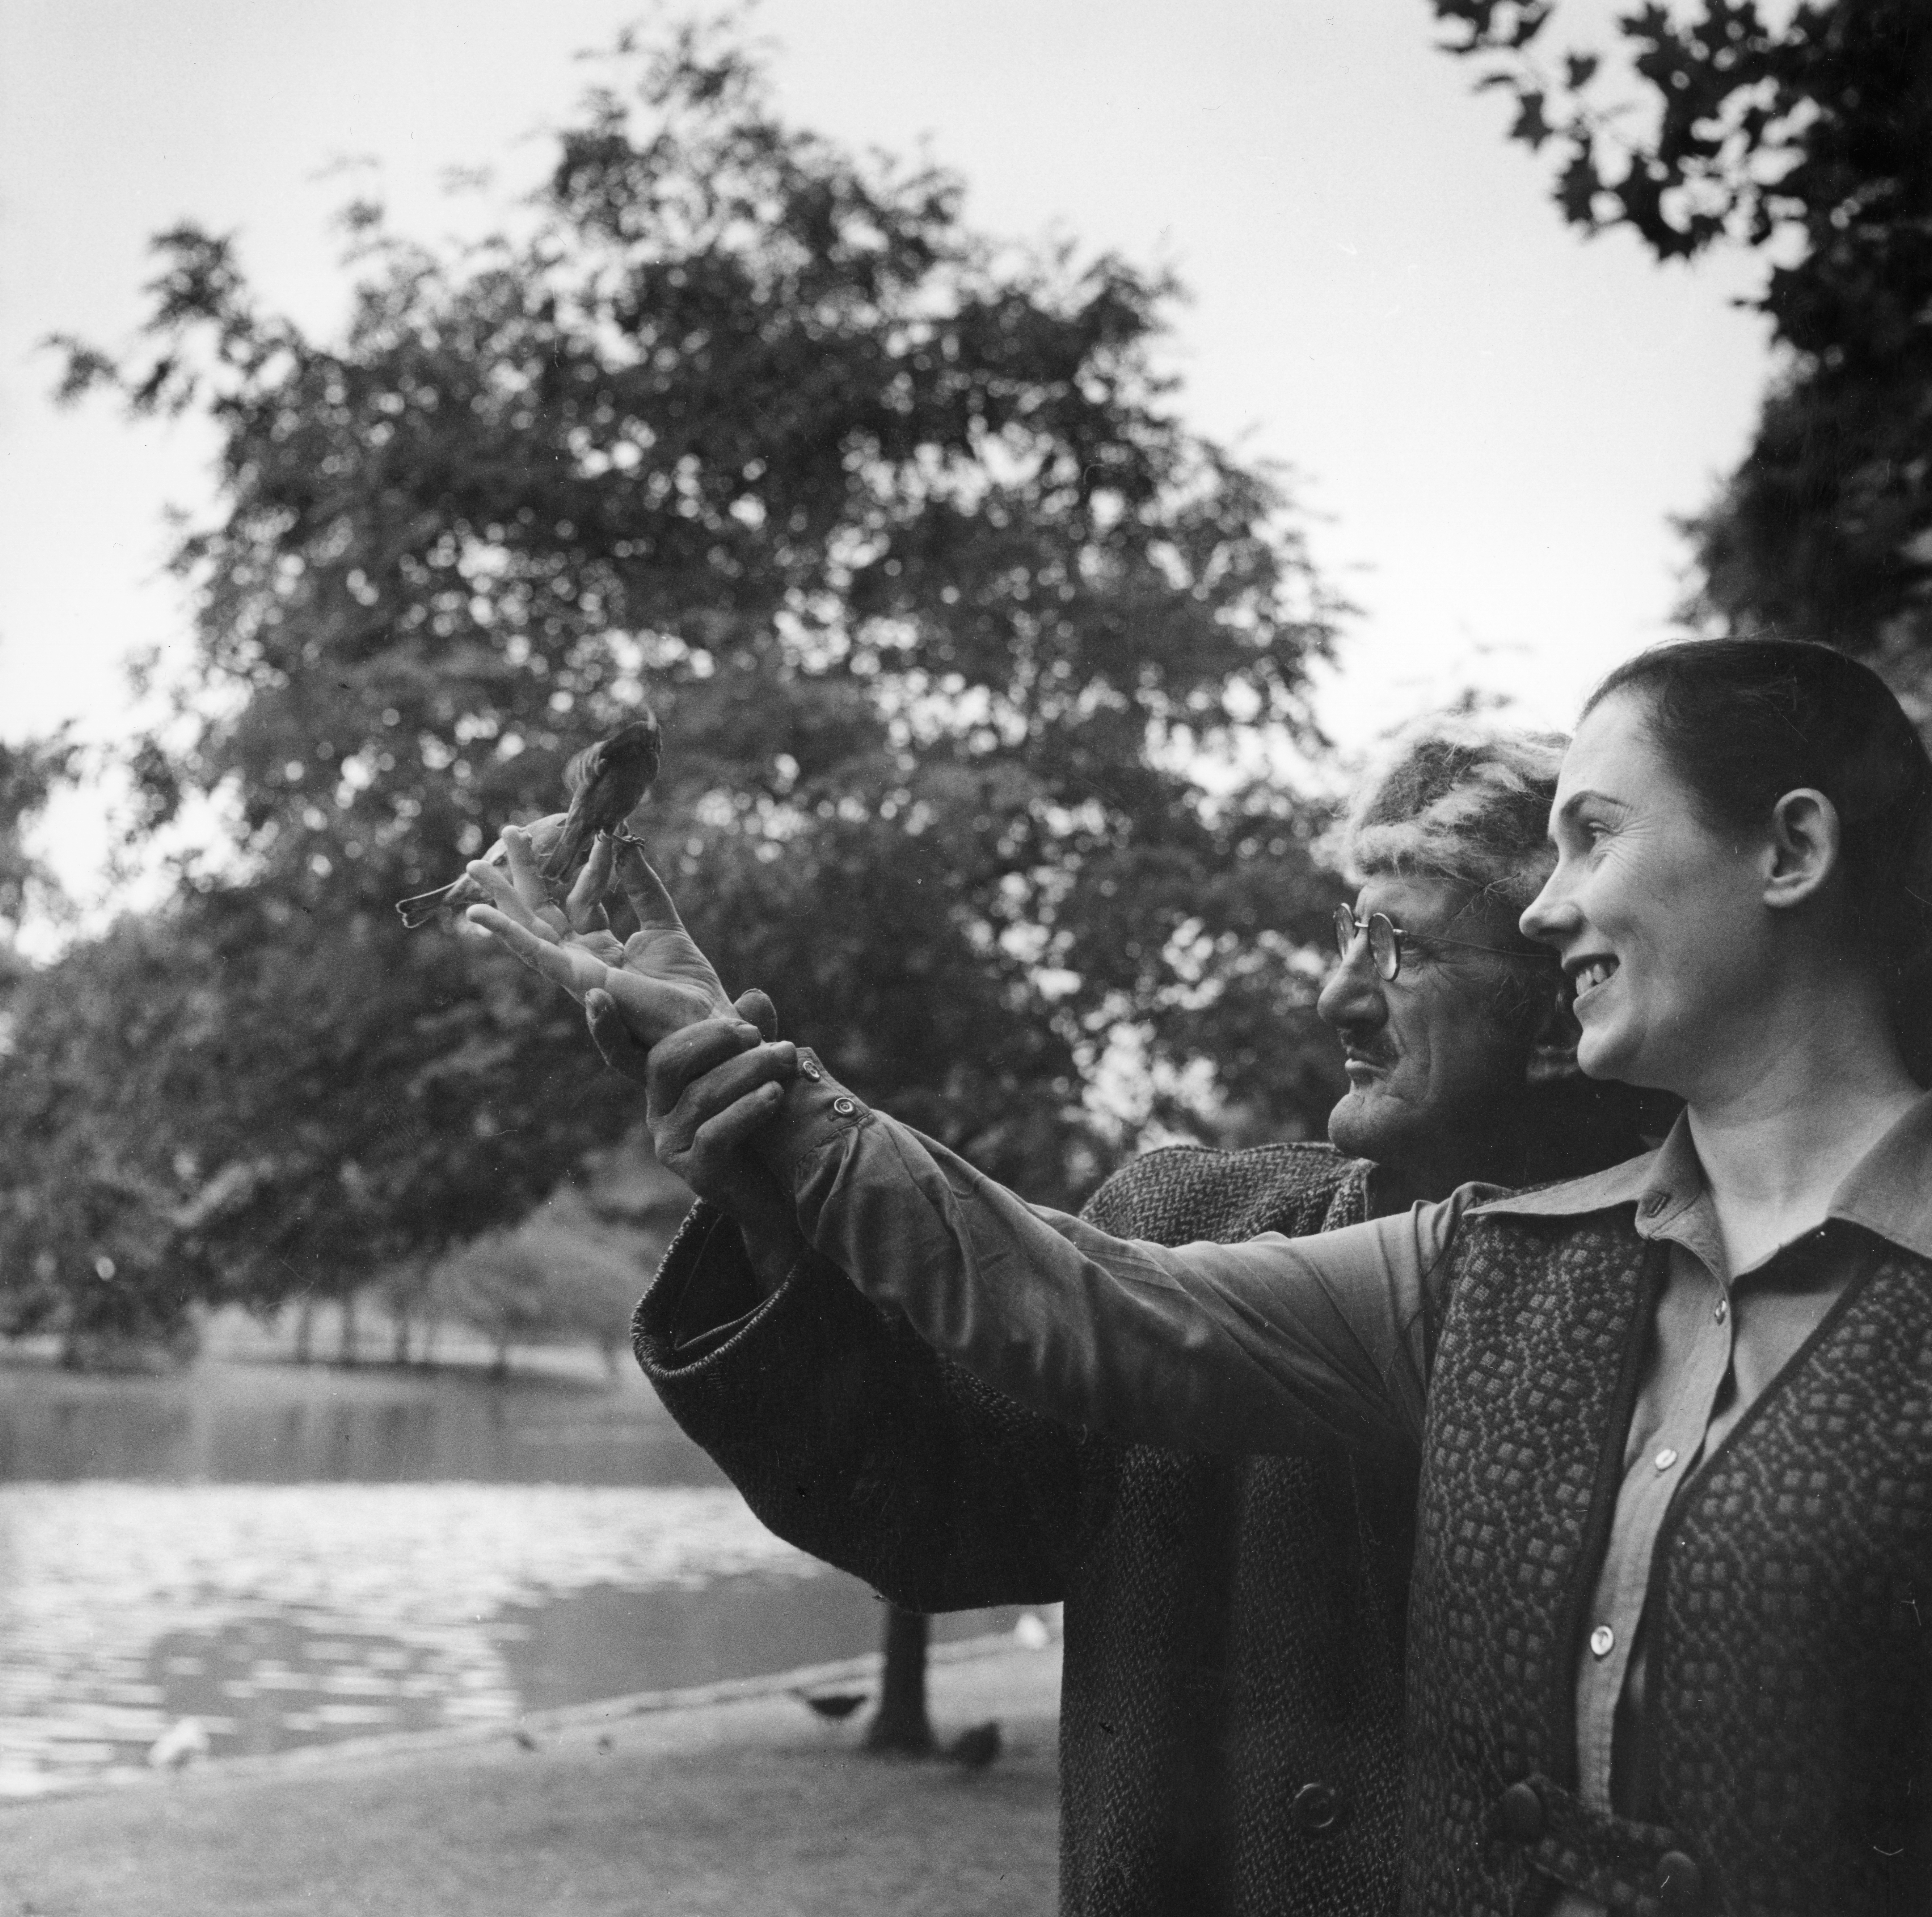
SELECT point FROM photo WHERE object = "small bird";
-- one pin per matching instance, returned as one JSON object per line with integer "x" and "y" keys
{"x": 543, "y": 834}
{"x": 607, "y": 783}
{"x": 836, "y": 1705}
{"x": 975, "y": 1749}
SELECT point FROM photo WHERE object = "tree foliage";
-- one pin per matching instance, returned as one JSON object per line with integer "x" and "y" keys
{"x": 1805, "y": 131}
{"x": 962, "y": 641}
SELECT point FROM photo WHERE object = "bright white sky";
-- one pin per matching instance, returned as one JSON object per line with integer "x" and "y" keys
{"x": 1494, "y": 419}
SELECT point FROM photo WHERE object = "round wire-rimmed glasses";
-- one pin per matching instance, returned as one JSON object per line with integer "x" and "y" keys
{"x": 1386, "y": 939}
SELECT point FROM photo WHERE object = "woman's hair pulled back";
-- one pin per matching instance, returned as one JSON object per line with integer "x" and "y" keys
{"x": 1742, "y": 721}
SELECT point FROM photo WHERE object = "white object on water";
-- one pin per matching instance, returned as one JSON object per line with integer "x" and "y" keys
{"x": 1029, "y": 1632}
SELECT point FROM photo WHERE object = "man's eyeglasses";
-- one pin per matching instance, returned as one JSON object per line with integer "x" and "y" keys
{"x": 1387, "y": 939}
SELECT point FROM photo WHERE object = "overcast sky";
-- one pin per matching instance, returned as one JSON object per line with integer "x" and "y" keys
{"x": 1493, "y": 418}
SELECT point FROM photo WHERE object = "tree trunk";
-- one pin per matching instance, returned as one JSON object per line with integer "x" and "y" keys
{"x": 900, "y": 1723}
{"x": 305, "y": 1328}
{"x": 399, "y": 1352}
{"x": 349, "y": 1352}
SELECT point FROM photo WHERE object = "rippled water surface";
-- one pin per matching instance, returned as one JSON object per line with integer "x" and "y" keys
{"x": 284, "y": 1555}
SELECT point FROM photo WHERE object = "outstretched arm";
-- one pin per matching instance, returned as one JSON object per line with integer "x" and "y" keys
{"x": 1276, "y": 1344}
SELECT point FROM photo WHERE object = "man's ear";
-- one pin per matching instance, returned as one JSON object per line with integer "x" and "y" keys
{"x": 1805, "y": 837}
{"x": 1552, "y": 1049}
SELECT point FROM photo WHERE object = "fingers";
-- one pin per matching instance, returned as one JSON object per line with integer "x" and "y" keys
{"x": 645, "y": 890}
{"x": 584, "y": 907}
{"x": 755, "y": 1009}
{"x": 725, "y": 1132}
{"x": 496, "y": 882}
{"x": 687, "y": 1055}
{"x": 525, "y": 875}
{"x": 699, "y": 1135}
{"x": 612, "y": 1036}
{"x": 577, "y": 971}
{"x": 718, "y": 1090}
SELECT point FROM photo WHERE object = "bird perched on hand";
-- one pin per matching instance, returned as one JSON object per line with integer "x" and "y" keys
{"x": 607, "y": 783}
{"x": 543, "y": 834}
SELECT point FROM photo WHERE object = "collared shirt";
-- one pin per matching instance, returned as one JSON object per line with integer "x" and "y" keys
{"x": 1268, "y": 1345}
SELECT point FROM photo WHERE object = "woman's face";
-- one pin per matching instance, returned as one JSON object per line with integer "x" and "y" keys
{"x": 1661, "y": 923}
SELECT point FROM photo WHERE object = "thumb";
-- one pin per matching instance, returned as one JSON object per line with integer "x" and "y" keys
{"x": 755, "y": 1009}
{"x": 612, "y": 1036}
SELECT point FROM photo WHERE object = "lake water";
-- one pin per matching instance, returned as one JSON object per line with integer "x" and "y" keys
{"x": 288, "y": 1555}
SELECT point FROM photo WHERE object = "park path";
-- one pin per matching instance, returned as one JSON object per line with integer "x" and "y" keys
{"x": 742, "y": 1805}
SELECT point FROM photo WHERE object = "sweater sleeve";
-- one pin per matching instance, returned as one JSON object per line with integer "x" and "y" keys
{"x": 852, "y": 1439}
{"x": 1274, "y": 1344}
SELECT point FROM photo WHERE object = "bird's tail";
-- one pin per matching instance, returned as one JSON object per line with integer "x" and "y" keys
{"x": 421, "y": 908}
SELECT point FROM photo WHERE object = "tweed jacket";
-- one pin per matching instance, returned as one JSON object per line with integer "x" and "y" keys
{"x": 1231, "y": 1710}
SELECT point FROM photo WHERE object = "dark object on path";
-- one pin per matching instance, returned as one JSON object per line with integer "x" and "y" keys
{"x": 975, "y": 1749}
{"x": 524, "y": 1739}
{"x": 836, "y": 1705}
{"x": 607, "y": 783}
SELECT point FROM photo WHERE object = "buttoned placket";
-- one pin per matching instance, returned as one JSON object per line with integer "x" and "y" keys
{"x": 1689, "y": 1364}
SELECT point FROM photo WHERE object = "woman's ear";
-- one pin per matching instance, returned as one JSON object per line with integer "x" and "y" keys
{"x": 1804, "y": 843}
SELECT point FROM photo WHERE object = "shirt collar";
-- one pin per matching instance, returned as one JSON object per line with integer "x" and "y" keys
{"x": 1888, "y": 1192}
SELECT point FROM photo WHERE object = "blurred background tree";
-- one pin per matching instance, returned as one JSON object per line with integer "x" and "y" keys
{"x": 1804, "y": 131}
{"x": 979, "y": 672}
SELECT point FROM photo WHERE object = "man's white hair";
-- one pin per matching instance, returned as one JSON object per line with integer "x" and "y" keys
{"x": 1461, "y": 798}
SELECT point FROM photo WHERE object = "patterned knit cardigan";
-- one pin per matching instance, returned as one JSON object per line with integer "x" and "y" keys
{"x": 1790, "y": 1682}
{"x": 1231, "y": 1704}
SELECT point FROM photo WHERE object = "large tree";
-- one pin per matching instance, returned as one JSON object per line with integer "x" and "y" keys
{"x": 969, "y": 653}
{"x": 1804, "y": 130}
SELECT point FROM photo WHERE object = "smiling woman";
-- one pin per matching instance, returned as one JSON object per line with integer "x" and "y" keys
{"x": 1686, "y": 754}
{"x": 1671, "y": 1422}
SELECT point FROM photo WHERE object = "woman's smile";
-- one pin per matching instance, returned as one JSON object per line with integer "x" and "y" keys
{"x": 1590, "y": 976}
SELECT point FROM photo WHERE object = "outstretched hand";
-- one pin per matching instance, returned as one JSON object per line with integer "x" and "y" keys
{"x": 657, "y": 981}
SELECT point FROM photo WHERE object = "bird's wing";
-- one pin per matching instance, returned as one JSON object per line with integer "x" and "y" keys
{"x": 578, "y": 771}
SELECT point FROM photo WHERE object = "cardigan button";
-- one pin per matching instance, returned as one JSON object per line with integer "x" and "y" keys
{"x": 1318, "y": 1807}
{"x": 1679, "y": 1882}
{"x": 1520, "y": 1814}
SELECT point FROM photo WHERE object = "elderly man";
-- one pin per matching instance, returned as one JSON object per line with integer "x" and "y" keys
{"x": 1232, "y": 1691}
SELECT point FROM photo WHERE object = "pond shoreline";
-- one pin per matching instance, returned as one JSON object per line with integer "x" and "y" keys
{"x": 739, "y": 1807}
{"x": 558, "y": 1720}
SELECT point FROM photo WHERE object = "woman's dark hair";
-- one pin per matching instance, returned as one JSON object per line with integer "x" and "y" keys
{"x": 1743, "y": 721}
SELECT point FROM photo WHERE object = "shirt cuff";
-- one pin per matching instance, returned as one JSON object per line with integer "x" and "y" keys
{"x": 818, "y": 1112}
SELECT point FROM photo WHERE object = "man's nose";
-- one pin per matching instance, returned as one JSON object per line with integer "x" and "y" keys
{"x": 1353, "y": 996}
